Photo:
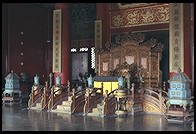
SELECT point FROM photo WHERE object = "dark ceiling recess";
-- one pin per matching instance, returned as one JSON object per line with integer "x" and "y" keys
{"x": 45, "y": 5}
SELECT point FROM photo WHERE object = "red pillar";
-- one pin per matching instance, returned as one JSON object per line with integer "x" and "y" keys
{"x": 192, "y": 45}
{"x": 107, "y": 23}
{"x": 103, "y": 14}
{"x": 65, "y": 41}
{"x": 187, "y": 40}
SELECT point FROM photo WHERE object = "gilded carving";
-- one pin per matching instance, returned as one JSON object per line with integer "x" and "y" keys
{"x": 147, "y": 107}
{"x": 176, "y": 45}
{"x": 57, "y": 40}
{"x": 140, "y": 16}
{"x": 132, "y": 49}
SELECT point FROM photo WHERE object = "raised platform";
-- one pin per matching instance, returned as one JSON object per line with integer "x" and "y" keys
{"x": 11, "y": 99}
{"x": 180, "y": 116}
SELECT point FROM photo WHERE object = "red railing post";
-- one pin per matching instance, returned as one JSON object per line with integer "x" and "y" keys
{"x": 88, "y": 99}
{"x": 52, "y": 97}
{"x": 32, "y": 95}
{"x": 132, "y": 89}
{"x": 45, "y": 91}
{"x": 68, "y": 87}
{"x": 106, "y": 103}
{"x": 73, "y": 99}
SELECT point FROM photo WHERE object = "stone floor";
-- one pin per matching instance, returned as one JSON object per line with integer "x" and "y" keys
{"x": 17, "y": 117}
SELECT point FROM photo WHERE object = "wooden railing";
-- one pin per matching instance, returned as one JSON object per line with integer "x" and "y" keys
{"x": 78, "y": 101}
{"x": 45, "y": 96}
{"x": 35, "y": 96}
{"x": 156, "y": 97}
{"x": 134, "y": 95}
{"x": 109, "y": 103}
{"x": 92, "y": 99}
{"x": 57, "y": 97}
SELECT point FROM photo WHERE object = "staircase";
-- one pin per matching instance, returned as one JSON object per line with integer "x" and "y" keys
{"x": 97, "y": 111}
{"x": 106, "y": 107}
{"x": 137, "y": 108}
{"x": 65, "y": 107}
{"x": 38, "y": 106}
{"x": 134, "y": 107}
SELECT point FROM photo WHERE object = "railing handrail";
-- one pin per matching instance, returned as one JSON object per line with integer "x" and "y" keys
{"x": 109, "y": 102}
{"x": 90, "y": 98}
{"x": 152, "y": 98}
{"x": 58, "y": 97}
{"x": 34, "y": 98}
{"x": 75, "y": 99}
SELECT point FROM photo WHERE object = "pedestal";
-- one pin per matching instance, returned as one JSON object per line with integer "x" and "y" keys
{"x": 180, "y": 110}
{"x": 11, "y": 96}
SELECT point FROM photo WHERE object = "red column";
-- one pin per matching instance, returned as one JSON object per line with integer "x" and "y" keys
{"x": 100, "y": 16}
{"x": 65, "y": 41}
{"x": 103, "y": 14}
{"x": 187, "y": 39}
{"x": 107, "y": 23}
{"x": 192, "y": 45}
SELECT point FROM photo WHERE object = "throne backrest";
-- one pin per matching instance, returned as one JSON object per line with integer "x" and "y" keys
{"x": 124, "y": 69}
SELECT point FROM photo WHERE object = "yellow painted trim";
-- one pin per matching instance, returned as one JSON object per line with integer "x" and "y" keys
{"x": 110, "y": 86}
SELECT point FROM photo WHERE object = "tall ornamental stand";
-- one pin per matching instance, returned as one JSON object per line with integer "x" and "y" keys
{"x": 179, "y": 102}
{"x": 12, "y": 93}
{"x": 121, "y": 96}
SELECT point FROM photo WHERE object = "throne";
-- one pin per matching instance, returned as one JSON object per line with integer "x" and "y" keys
{"x": 130, "y": 72}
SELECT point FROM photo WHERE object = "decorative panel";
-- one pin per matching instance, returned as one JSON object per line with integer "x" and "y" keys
{"x": 131, "y": 5}
{"x": 57, "y": 16}
{"x": 116, "y": 57}
{"x": 116, "y": 62}
{"x": 144, "y": 63}
{"x": 129, "y": 53}
{"x": 105, "y": 64}
{"x": 98, "y": 34}
{"x": 176, "y": 33}
{"x": 81, "y": 31}
{"x": 156, "y": 14}
{"x": 82, "y": 18}
{"x": 129, "y": 59}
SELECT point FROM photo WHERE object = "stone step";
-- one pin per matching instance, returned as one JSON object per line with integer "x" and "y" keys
{"x": 66, "y": 103}
{"x": 100, "y": 105}
{"x": 62, "y": 107}
{"x": 38, "y": 105}
{"x": 94, "y": 112}
{"x": 69, "y": 98}
{"x": 61, "y": 111}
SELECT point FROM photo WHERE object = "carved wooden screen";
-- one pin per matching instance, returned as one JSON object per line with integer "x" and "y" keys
{"x": 144, "y": 63}
{"x": 129, "y": 52}
{"x": 116, "y": 57}
{"x": 146, "y": 54}
{"x": 105, "y": 64}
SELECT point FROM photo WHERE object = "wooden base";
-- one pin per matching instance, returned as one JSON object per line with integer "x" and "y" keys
{"x": 11, "y": 99}
{"x": 175, "y": 116}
